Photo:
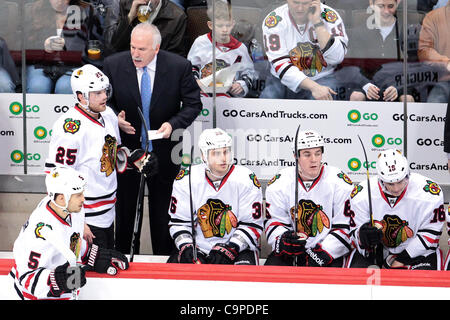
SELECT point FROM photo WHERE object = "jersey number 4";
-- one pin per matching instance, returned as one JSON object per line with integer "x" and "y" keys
{"x": 64, "y": 156}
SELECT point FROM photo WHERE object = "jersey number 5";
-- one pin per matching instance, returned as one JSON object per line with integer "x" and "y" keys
{"x": 66, "y": 156}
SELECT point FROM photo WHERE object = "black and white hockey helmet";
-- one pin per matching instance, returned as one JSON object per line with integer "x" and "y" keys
{"x": 392, "y": 166}
{"x": 65, "y": 181}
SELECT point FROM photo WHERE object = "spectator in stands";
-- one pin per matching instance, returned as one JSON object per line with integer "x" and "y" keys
{"x": 9, "y": 77}
{"x": 434, "y": 48}
{"x": 166, "y": 15}
{"x": 57, "y": 26}
{"x": 304, "y": 42}
{"x": 374, "y": 39}
{"x": 229, "y": 53}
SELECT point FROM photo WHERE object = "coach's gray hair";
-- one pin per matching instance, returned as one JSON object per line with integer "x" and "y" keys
{"x": 148, "y": 27}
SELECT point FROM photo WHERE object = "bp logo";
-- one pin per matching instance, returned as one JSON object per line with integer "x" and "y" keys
{"x": 15, "y": 108}
{"x": 40, "y": 133}
{"x": 17, "y": 156}
{"x": 354, "y": 164}
{"x": 378, "y": 141}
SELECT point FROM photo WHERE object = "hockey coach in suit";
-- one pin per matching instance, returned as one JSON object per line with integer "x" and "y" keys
{"x": 174, "y": 103}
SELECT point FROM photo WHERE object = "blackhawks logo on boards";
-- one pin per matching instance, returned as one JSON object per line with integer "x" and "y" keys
{"x": 216, "y": 218}
{"x": 71, "y": 126}
{"x": 311, "y": 218}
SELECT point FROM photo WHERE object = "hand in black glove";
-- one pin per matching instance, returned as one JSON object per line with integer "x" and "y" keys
{"x": 103, "y": 260}
{"x": 145, "y": 164}
{"x": 318, "y": 257}
{"x": 61, "y": 279}
{"x": 223, "y": 253}
{"x": 186, "y": 254}
{"x": 369, "y": 236}
{"x": 289, "y": 244}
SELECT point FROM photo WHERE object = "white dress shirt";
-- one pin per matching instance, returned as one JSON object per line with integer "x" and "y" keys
{"x": 151, "y": 69}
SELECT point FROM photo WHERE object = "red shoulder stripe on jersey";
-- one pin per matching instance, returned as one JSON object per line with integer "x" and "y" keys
{"x": 99, "y": 204}
{"x": 430, "y": 240}
{"x": 27, "y": 283}
{"x": 83, "y": 112}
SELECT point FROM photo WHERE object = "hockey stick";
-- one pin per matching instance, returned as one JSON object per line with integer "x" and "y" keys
{"x": 64, "y": 250}
{"x": 296, "y": 186}
{"x": 377, "y": 249}
{"x": 140, "y": 198}
{"x": 194, "y": 240}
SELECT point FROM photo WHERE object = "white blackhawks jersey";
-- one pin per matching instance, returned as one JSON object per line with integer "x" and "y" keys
{"x": 35, "y": 257}
{"x": 412, "y": 222}
{"x": 320, "y": 209}
{"x": 235, "y": 52}
{"x": 231, "y": 210}
{"x": 89, "y": 146}
{"x": 282, "y": 34}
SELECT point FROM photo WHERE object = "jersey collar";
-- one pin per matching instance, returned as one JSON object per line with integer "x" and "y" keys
{"x": 87, "y": 115}
{"x": 222, "y": 182}
{"x": 383, "y": 195}
{"x": 314, "y": 183}
{"x": 67, "y": 221}
{"x": 232, "y": 44}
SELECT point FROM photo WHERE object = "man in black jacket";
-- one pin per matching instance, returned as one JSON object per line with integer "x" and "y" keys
{"x": 175, "y": 103}
{"x": 167, "y": 16}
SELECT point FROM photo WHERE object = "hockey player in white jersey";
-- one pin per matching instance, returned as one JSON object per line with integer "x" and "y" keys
{"x": 304, "y": 41}
{"x": 229, "y": 52}
{"x": 408, "y": 216}
{"x": 87, "y": 139}
{"x": 227, "y": 207}
{"x": 41, "y": 269}
{"x": 322, "y": 237}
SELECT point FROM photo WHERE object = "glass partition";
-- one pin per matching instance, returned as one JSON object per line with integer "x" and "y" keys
{"x": 337, "y": 50}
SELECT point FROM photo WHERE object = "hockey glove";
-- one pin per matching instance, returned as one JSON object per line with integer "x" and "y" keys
{"x": 145, "y": 164}
{"x": 289, "y": 244}
{"x": 62, "y": 280}
{"x": 318, "y": 257}
{"x": 103, "y": 260}
{"x": 186, "y": 254}
{"x": 369, "y": 236}
{"x": 223, "y": 253}
{"x": 390, "y": 259}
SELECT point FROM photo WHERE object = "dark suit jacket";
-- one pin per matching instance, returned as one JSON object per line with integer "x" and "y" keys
{"x": 174, "y": 84}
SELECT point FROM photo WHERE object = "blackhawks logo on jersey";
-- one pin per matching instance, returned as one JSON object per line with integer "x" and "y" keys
{"x": 432, "y": 187}
{"x": 356, "y": 189}
{"x": 182, "y": 174}
{"x": 75, "y": 243}
{"x": 308, "y": 58}
{"x": 345, "y": 177}
{"x": 39, "y": 226}
{"x": 274, "y": 178}
{"x": 255, "y": 180}
{"x": 71, "y": 126}
{"x": 395, "y": 230}
{"x": 329, "y": 15}
{"x": 216, "y": 218}
{"x": 310, "y": 219}
{"x": 109, "y": 155}
{"x": 272, "y": 20}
